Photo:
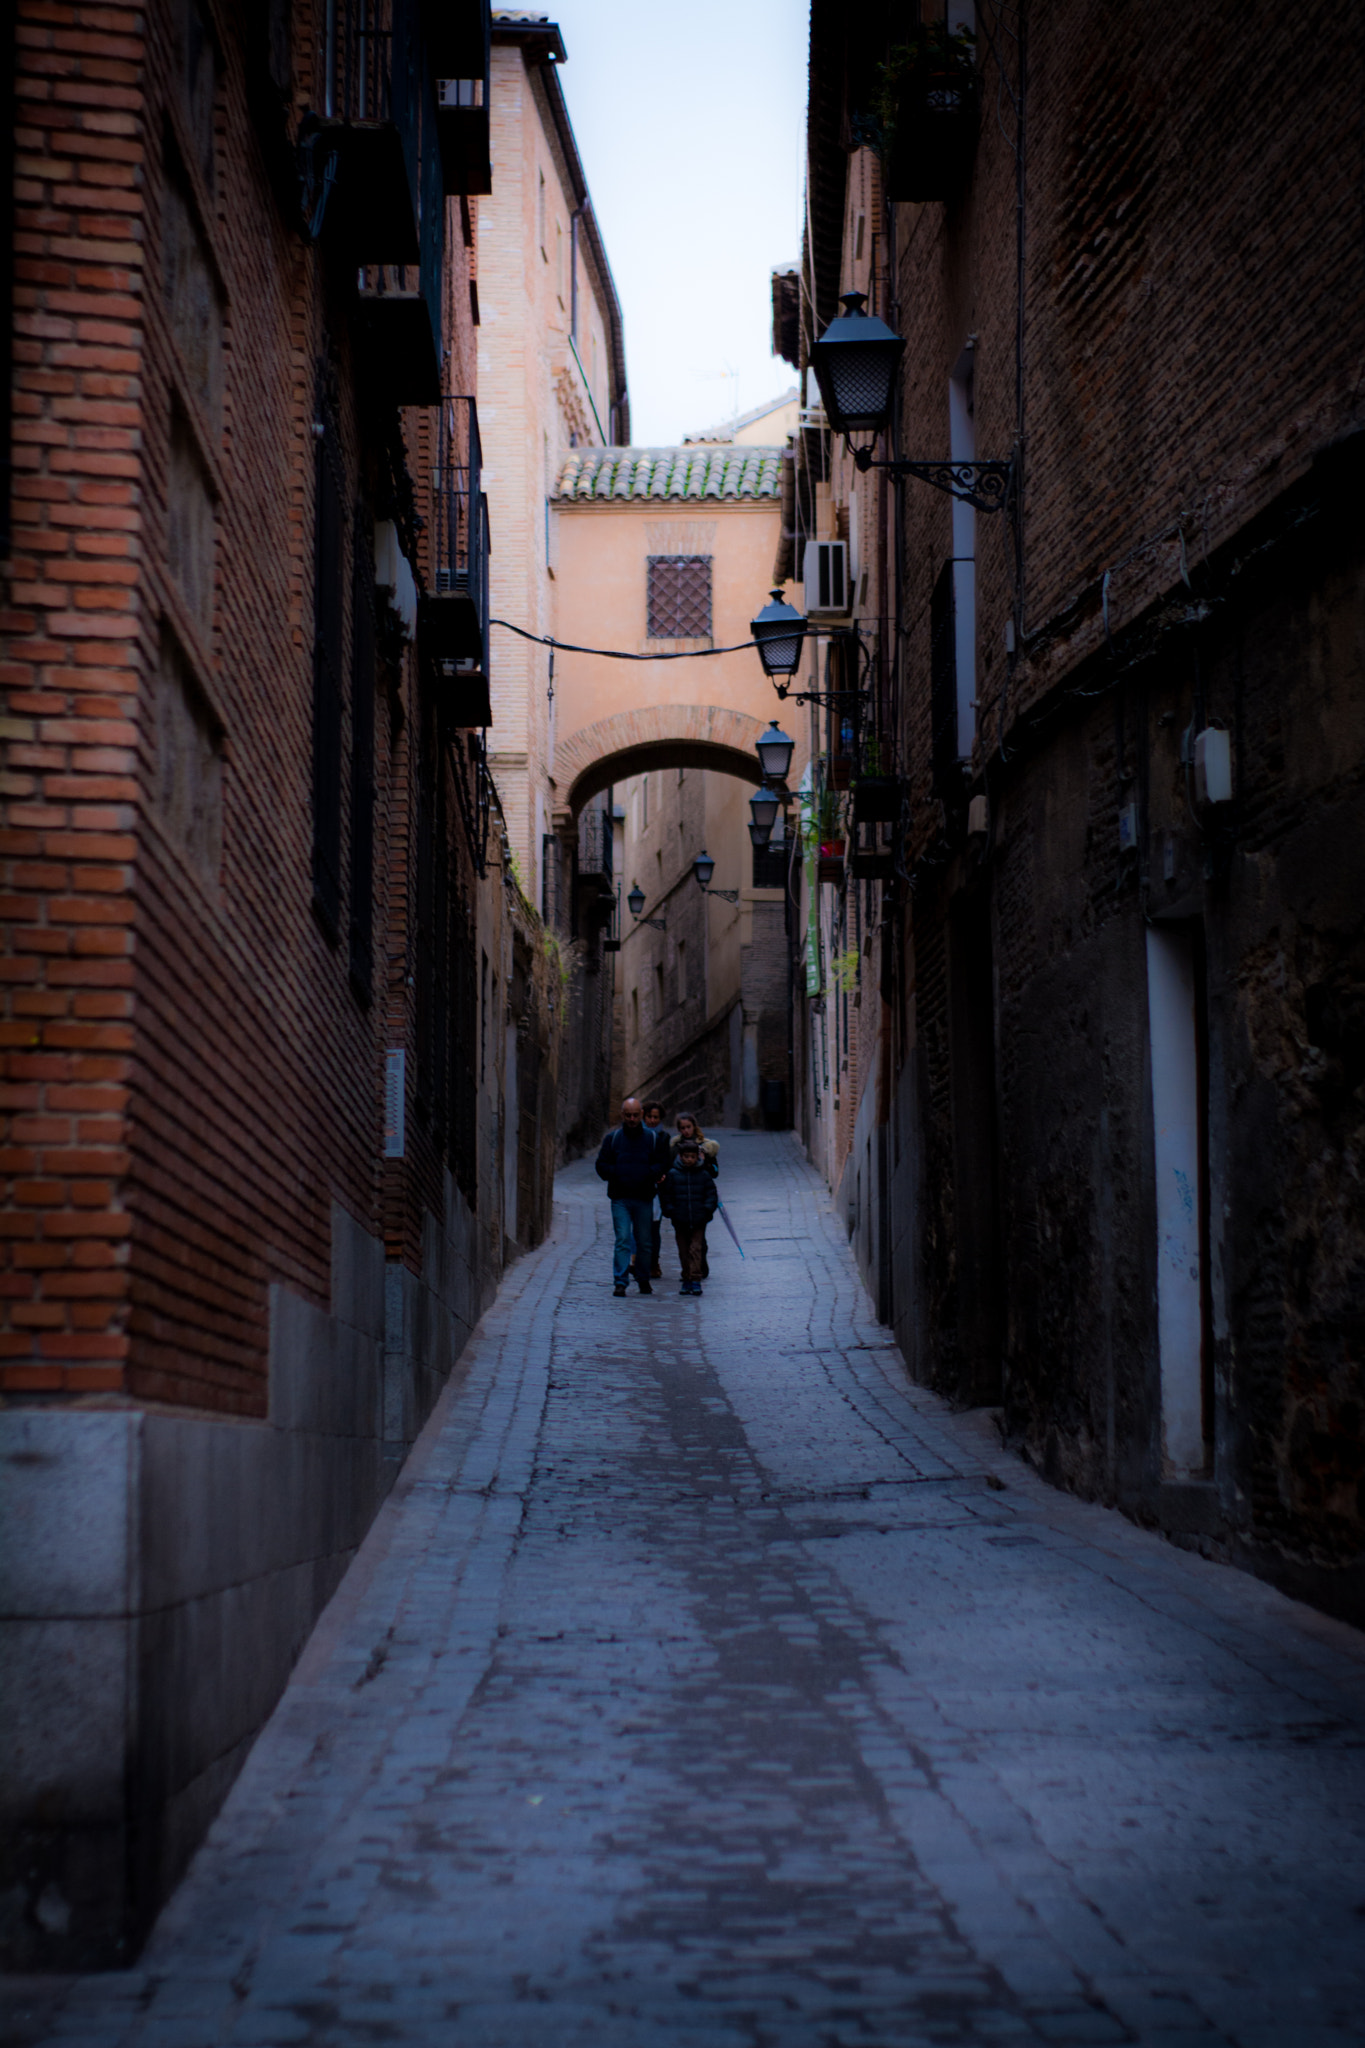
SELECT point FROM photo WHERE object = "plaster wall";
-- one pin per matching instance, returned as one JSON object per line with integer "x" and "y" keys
{"x": 537, "y": 397}
{"x": 601, "y": 591}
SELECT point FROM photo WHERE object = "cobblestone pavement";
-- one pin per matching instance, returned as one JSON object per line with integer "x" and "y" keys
{"x": 702, "y": 1683}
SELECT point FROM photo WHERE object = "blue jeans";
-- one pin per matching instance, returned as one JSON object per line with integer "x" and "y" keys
{"x": 633, "y": 1223}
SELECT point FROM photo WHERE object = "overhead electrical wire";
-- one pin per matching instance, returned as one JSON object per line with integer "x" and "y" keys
{"x": 619, "y": 653}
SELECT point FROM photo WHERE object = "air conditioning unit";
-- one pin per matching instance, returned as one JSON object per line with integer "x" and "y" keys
{"x": 826, "y": 576}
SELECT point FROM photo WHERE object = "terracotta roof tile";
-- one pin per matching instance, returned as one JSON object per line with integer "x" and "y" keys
{"x": 696, "y": 472}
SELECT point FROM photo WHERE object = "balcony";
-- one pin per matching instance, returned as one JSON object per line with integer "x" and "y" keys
{"x": 369, "y": 131}
{"x": 462, "y": 126}
{"x": 452, "y": 616}
{"x": 398, "y": 309}
{"x": 595, "y": 849}
{"x": 936, "y": 99}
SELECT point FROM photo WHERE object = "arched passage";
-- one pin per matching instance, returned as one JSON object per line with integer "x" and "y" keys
{"x": 656, "y": 736}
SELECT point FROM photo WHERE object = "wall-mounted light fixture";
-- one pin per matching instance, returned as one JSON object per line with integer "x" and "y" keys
{"x": 855, "y": 363}
{"x": 703, "y": 867}
{"x": 780, "y": 631}
{"x": 635, "y": 903}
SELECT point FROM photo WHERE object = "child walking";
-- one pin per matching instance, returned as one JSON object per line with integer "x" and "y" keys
{"x": 688, "y": 1197}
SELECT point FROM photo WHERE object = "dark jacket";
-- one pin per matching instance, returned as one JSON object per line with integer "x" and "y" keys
{"x": 688, "y": 1194}
{"x": 630, "y": 1162}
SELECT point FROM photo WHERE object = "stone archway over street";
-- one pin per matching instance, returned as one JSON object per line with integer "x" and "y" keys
{"x": 660, "y": 553}
{"x": 656, "y": 736}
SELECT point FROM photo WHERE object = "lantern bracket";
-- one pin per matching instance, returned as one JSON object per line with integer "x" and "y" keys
{"x": 983, "y": 484}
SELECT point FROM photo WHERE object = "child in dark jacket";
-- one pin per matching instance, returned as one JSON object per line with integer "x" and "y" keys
{"x": 687, "y": 1194}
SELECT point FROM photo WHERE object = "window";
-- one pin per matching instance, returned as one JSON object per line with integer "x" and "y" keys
{"x": 189, "y": 763}
{"x": 682, "y": 970}
{"x": 770, "y": 865}
{"x": 658, "y": 992}
{"x": 635, "y": 1013}
{"x": 540, "y": 217}
{"x": 679, "y": 597}
{"x": 644, "y": 799}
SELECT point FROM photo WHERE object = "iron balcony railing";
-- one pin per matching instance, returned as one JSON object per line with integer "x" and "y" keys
{"x": 362, "y": 156}
{"x": 595, "y": 844}
{"x": 453, "y": 610}
{"x": 400, "y": 304}
{"x": 459, "y": 526}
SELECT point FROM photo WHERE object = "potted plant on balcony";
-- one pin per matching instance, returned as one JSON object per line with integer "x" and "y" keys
{"x": 927, "y": 112}
{"x": 827, "y": 829}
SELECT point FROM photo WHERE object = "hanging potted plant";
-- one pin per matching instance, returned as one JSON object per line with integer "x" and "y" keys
{"x": 927, "y": 112}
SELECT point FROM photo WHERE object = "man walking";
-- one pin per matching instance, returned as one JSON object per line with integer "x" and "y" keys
{"x": 632, "y": 1162}
{"x": 689, "y": 1198}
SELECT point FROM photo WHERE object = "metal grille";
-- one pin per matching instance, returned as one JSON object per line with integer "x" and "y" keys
{"x": 680, "y": 597}
{"x": 458, "y": 525}
{"x": 595, "y": 842}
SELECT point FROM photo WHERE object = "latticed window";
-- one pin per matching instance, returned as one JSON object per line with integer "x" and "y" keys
{"x": 680, "y": 597}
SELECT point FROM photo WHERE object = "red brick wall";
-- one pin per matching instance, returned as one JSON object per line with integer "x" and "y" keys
{"x": 192, "y": 1078}
{"x": 70, "y": 678}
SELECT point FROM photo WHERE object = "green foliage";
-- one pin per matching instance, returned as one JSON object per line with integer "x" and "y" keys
{"x": 826, "y": 818}
{"x": 844, "y": 969}
{"x": 555, "y": 954}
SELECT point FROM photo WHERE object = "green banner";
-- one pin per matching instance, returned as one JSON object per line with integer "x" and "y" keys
{"x": 815, "y": 980}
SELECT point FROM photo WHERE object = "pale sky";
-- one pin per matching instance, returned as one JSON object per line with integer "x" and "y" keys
{"x": 690, "y": 122}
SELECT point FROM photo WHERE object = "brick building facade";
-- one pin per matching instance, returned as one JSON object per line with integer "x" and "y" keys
{"x": 1099, "y": 1130}
{"x": 280, "y": 1034}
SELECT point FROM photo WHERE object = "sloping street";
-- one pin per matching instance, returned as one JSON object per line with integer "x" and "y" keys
{"x": 704, "y": 1681}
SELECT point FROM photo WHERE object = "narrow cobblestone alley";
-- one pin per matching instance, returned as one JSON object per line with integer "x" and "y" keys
{"x": 704, "y": 1681}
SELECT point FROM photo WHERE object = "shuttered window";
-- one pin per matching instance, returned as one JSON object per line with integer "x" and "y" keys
{"x": 679, "y": 597}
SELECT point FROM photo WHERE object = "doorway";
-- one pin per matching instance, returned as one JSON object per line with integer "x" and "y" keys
{"x": 976, "y": 1188}
{"x": 1176, "y": 1014}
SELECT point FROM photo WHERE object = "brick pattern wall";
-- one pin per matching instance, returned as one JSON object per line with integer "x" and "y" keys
{"x": 1191, "y": 554}
{"x": 71, "y": 681}
{"x": 192, "y": 1078}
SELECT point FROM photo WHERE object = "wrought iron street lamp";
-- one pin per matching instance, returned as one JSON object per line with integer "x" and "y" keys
{"x": 635, "y": 903}
{"x": 779, "y": 630}
{"x": 855, "y": 363}
{"x": 775, "y": 751}
{"x": 764, "y": 805}
{"x": 703, "y": 867}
